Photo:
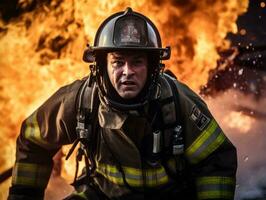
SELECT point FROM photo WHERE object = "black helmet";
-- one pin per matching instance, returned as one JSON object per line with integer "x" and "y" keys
{"x": 127, "y": 31}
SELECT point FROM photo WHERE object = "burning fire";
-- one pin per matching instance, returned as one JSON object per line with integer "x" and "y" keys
{"x": 41, "y": 50}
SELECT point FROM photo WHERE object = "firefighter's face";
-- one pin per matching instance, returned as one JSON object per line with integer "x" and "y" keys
{"x": 127, "y": 72}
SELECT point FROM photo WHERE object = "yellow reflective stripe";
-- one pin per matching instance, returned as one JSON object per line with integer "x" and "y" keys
{"x": 32, "y": 132}
{"x": 80, "y": 195}
{"x": 215, "y": 180}
{"x": 31, "y": 174}
{"x": 207, "y": 142}
{"x": 215, "y": 195}
{"x": 134, "y": 176}
{"x": 154, "y": 177}
{"x": 212, "y": 147}
{"x": 116, "y": 180}
{"x": 215, "y": 187}
{"x": 203, "y": 136}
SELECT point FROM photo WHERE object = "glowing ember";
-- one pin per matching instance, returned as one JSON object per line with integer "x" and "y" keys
{"x": 243, "y": 32}
{"x": 239, "y": 121}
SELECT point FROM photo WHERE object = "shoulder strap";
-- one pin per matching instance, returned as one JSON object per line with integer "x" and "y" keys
{"x": 81, "y": 131}
{"x": 87, "y": 106}
{"x": 177, "y": 137}
{"x": 171, "y": 80}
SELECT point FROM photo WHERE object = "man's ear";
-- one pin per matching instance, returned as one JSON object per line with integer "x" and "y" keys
{"x": 88, "y": 55}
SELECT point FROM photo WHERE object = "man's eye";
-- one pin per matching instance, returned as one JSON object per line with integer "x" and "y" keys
{"x": 138, "y": 62}
{"x": 117, "y": 63}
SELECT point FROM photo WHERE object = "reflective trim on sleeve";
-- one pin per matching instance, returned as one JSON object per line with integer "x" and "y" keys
{"x": 207, "y": 142}
{"x": 135, "y": 177}
{"x": 215, "y": 187}
{"x": 79, "y": 195}
{"x": 32, "y": 132}
{"x": 31, "y": 174}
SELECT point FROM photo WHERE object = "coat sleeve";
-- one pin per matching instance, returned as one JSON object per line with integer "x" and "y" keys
{"x": 42, "y": 135}
{"x": 210, "y": 154}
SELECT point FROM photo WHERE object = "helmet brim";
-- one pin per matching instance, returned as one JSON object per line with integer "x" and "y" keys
{"x": 134, "y": 48}
{"x": 91, "y": 52}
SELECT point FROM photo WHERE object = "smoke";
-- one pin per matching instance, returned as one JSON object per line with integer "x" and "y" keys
{"x": 242, "y": 118}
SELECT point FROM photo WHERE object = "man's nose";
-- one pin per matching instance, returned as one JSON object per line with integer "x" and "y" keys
{"x": 128, "y": 70}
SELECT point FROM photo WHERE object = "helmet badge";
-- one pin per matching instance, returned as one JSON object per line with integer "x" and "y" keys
{"x": 130, "y": 34}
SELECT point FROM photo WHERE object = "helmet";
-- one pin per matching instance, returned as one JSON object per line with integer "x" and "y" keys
{"x": 127, "y": 31}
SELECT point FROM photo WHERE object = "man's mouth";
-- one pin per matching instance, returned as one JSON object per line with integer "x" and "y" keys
{"x": 128, "y": 83}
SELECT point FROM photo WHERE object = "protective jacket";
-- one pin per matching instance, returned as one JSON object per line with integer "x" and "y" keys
{"x": 127, "y": 167}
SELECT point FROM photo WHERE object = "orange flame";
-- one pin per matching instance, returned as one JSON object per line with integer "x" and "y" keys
{"x": 41, "y": 50}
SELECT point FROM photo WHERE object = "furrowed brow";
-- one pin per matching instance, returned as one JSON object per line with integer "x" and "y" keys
{"x": 140, "y": 56}
{"x": 116, "y": 57}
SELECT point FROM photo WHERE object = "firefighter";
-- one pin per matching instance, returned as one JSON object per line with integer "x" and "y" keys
{"x": 143, "y": 134}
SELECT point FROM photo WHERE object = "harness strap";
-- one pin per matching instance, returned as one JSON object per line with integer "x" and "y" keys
{"x": 173, "y": 98}
{"x": 178, "y": 135}
{"x": 87, "y": 107}
{"x": 80, "y": 129}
